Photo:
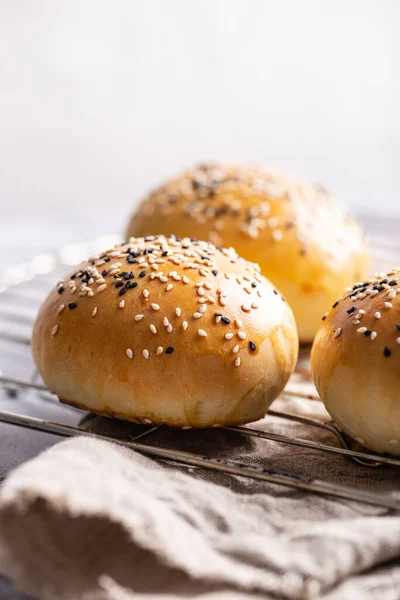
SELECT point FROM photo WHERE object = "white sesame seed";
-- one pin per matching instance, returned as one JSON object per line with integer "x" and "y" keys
{"x": 102, "y": 287}
{"x": 222, "y": 301}
{"x": 176, "y": 277}
{"x": 228, "y": 336}
{"x": 235, "y": 349}
{"x": 139, "y": 317}
{"x": 238, "y": 322}
{"x": 153, "y": 328}
{"x": 73, "y": 289}
{"x": 237, "y": 362}
{"x": 218, "y": 318}
{"x": 242, "y": 335}
{"x": 202, "y": 308}
{"x": 145, "y": 354}
{"x": 169, "y": 328}
{"x": 146, "y": 293}
{"x": 54, "y": 330}
{"x": 227, "y": 276}
{"x": 373, "y": 293}
{"x": 197, "y": 315}
{"x": 361, "y": 311}
{"x": 94, "y": 311}
{"x": 388, "y": 305}
{"x": 163, "y": 279}
{"x": 185, "y": 279}
{"x": 200, "y": 291}
{"x": 277, "y": 235}
{"x": 361, "y": 330}
{"x": 178, "y": 311}
{"x": 60, "y": 308}
{"x": 377, "y": 315}
{"x": 373, "y": 335}
{"x": 122, "y": 304}
{"x": 202, "y": 333}
{"x": 211, "y": 299}
{"x": 90, "y": 294}
{"x": 207, "y": 285}
{"x": 246, "y": 308}
{"x": 159, "y": 350}
{"x": 129, "y": 353}
{"x": 392, "y": 295}
{"x": 100, "y": 280}
{"x": 338, "y": 332}
{"x": 254, "y": 305}
{"x": 202, "y": 300}
{"x": 356, "y": 322}
{"x": 169, "y": 287}
{"x": 398, "y": 340}
{"x": 184, "y": 325}
{"x": 165, "y": 322}
{"x": 155, "y": 306}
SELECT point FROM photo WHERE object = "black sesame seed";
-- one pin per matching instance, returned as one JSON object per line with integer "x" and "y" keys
{"x": 169, "y": 350}
{"x": 387, "y": 351}
{"x": 164, "y": 253}
{"x": 367, "y": 333}
{"x": 253, "y": 284}
{"x": 324, "y": 317}
{"x": 283, "y": 299}
{"x": 351, "y": 310}
{"x": 107, "y": 259}
{"x": 384, "y": 281}
{"x": 142, "y": 273}
{"x": 215, "y": 272}
{"x": 226, "y": 320}
{"x": 122, "y": 291}
{"x": 218, "y": 314}
{"x": 72, "y": 305}
{"x": 398, "y": 327}
{"x": 119, "y": 284}
{"x": 276, "y": 292}
{"x": 393, "y": 282}
{"x": 335, "y": 305}
{"x": 131, "y": 261}
{"x": 131, "y": 284}
{"x": 61, "y": 289}
{"x": 252, "y": 345}
{"x": 104, "y": 273}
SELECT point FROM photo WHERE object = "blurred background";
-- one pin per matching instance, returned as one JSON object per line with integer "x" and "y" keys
{"x": 101, "y": 99}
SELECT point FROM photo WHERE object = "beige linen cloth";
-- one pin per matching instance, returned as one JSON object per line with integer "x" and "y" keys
{"x": 89, "y": 519}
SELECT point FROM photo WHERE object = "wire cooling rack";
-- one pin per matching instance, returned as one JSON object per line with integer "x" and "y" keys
{"x": 22, "y": 289}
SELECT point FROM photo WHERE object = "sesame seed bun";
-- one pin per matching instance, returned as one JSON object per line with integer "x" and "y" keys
{"x": 167, "y": 331}
{"x": 355, "y": 361}
{"x": 302, "y": 240}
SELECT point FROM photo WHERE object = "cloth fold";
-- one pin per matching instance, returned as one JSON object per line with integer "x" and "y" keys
{"x": 91, "y": 519}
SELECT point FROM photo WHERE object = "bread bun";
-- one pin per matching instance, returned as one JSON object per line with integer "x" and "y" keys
{"x": 355, "y": 361}
{"x": 302, "y": 240}
{"x": 167, "y": 331}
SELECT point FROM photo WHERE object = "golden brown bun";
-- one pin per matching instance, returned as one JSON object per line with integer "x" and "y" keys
{"x": 302, "y": 240}
{"x": 167, "y": 331}
{"x": 355, "y": 361}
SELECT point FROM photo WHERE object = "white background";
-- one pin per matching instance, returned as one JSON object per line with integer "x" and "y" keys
{"x": 100, "y": 99}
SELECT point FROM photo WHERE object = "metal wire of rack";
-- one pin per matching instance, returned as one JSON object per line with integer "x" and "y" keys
{"x": 18, "y": 303}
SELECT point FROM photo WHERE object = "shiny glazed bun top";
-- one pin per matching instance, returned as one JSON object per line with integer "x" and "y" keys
{"x": 163, "y": 330}
{"x": 298, "y": 234}
{"x": 356, "y": 362}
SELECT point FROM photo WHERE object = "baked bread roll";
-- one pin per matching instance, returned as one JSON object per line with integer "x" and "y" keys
{"x": 355, "y": 362}
{"x": 167, "y": 331}
{"x": 298, "y": 234}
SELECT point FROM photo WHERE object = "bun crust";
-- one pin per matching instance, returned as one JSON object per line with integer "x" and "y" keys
{"x": 297, "y": 233}
{"x": 355, "y": 361}
{"x": 165, "y": 331}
